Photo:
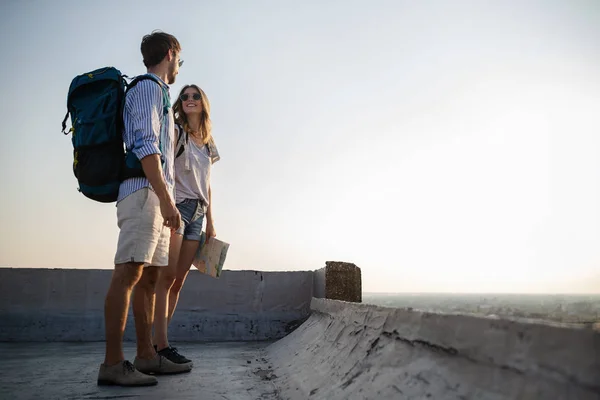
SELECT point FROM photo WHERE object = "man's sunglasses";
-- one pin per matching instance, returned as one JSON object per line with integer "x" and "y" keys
{"x": 180, "y": 61}
{"x": 185, "y": 96}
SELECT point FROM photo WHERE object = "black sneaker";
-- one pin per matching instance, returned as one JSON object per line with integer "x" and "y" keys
{"x": 171, "y": 354}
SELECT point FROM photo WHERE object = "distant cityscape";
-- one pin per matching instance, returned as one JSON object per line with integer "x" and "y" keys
{"x": 580, "y": 309}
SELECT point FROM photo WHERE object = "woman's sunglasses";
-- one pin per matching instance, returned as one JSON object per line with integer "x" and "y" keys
{"x": 185, "y": 96}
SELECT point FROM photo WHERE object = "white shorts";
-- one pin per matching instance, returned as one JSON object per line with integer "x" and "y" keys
{"x": 142, "y": 237}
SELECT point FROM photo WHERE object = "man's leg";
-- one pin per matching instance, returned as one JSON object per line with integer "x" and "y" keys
{"x": 166, "y": 278}
{"x": 116, "y": 370}
{"x": 165, "y": 281}
{"x": 136, "y": 244}
{"x": 143, "y": 312}
{"x": 148, "y": 360}
{"x": 124, "y": 277}
{"x": 169, "y": 285}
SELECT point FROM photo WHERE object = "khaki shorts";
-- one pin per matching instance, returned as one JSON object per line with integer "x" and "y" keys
{"x": 142, "y": 238}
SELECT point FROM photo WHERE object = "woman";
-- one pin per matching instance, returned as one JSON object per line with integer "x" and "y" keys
{"x": 195, "y": 153}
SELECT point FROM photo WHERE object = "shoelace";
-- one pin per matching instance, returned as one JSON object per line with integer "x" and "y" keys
{"x": 128, "y": 367}
{"x": 174, "y": 351}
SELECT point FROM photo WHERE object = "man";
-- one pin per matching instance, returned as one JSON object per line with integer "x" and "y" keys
{"x": 146, "y": 215}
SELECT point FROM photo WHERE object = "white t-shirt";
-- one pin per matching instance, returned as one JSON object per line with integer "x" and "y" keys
{"x": 192, "y": 169}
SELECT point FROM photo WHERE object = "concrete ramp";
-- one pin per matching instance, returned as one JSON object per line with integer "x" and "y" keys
{"x": 356, "y": 351}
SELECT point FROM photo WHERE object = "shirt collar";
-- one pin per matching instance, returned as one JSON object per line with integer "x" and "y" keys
{"x": 160, "y": 80}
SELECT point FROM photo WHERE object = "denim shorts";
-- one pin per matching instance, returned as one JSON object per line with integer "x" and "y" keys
{"x": 192, "y": 217}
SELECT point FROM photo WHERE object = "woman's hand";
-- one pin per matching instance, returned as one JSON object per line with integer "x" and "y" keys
{"x": 210, "y": 231}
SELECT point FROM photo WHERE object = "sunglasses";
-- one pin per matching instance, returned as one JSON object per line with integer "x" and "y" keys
{"x": 180, "y": 63}
{"x": 185, "y": 96}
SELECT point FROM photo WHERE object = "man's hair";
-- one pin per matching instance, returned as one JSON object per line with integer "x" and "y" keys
{"x": 155, "y": 47}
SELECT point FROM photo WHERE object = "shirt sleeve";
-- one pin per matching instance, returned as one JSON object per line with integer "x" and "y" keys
{"x": 214, "y": 152}
{"x": 144, "y": 103}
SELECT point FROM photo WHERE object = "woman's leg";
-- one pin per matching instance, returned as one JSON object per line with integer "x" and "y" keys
{"x": 166, "y": 278}
{"x": 186, "y": 256}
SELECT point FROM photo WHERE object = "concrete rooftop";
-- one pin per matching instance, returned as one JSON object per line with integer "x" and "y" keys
{"x": 286, "y": 335}
{"x": 232, "y": 370}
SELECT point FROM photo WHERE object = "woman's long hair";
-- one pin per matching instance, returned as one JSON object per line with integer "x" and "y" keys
{"x": 205, "y": 125}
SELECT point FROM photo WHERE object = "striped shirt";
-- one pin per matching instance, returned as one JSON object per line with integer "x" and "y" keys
{"x": 148, "y": 131}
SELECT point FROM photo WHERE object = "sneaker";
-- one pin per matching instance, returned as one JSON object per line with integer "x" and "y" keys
{"x": 123, "y": 374}
{"x": 160, "y": 365}
{"x": 173, "y": 355}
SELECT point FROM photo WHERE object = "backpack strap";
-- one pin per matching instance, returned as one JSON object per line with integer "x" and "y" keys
{"x": 182, "y": 135}
{"x": 133, "y": 168}
{"x": 187, "y": 140}
{"x": 64, "y": 124}
{"x": 165, "y": 93}
{"x": 139, "y": 78}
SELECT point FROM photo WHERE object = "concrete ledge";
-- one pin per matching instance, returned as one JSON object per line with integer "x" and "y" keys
{"x": 346, "y": 350}
{"x": 187, "y": 326}
{"x": 68, "y": 305}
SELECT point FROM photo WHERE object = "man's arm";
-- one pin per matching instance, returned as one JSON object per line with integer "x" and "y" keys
{"x": 153, "y": 169}
{"x": 144, "y": 106}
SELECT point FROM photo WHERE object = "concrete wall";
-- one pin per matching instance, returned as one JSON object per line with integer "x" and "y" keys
{"x": 68, "y": 305}
{"x": 347, "y": 350}
{"x": 319, "y": 283}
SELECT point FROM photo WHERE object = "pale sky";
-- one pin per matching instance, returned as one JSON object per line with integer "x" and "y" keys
{"x": 441, "y": 146}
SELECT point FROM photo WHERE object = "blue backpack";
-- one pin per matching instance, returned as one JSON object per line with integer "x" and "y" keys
{"x": 95, "y": 102}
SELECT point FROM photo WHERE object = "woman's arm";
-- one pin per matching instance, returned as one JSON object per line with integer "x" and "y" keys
{"x": 210, "y": 227}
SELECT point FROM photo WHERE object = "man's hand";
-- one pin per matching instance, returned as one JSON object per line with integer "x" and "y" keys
{"x": 153, "y": 170}
{"x": 170, "y": 214}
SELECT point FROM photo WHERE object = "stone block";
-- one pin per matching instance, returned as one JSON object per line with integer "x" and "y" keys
{"x": 338, "y": 281}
